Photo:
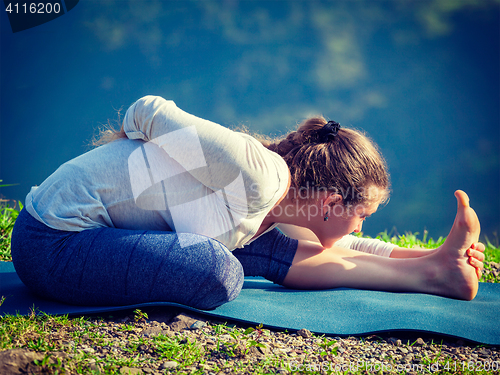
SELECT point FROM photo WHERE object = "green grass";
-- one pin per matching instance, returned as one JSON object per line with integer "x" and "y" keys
{"x": 56, "y": 335}
{"x": 8, "y": 215}
{"x": 59, "y": 341}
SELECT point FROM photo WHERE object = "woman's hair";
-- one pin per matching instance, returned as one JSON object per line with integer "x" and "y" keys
{"x": 108, "y": 132}
{"x": 348, "y": 163}
{"x": 108, "y": 135}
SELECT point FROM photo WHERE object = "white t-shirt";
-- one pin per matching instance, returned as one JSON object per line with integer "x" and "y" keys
{"x": 174, "y": 172}
{"x": 366, "y": 245}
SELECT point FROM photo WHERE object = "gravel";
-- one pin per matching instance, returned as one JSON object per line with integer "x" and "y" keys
{"x": 224, "y": 352}
{"x": 214, "y": 347}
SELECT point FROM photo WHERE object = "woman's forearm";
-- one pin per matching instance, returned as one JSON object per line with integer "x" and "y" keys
{"x": 402, "y": 252}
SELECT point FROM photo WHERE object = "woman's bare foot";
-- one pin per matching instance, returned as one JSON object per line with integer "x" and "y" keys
{"x": 456, "y": 277}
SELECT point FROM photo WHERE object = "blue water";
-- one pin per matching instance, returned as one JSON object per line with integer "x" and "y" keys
{"x": 422, "y": 78}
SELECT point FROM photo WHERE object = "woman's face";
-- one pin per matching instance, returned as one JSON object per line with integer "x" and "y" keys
{"x": 353, "y": 221}
{"x": 341, "y": 220}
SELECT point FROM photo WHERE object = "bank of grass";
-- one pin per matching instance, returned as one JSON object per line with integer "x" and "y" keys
{"x": 58, "y": 340}
{"x": 9, "y": 211}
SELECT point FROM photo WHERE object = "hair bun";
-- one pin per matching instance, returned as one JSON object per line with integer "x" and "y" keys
{"x": 328, "y": 132}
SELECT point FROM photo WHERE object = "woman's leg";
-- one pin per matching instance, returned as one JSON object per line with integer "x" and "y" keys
{"x": 109, "y": 266}
{"x": 269, "y": 256}
{"x": 446, "y": 272}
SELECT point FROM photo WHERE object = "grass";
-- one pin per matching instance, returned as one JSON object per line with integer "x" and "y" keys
{"x": 76, "y": 346}
{"x": 60, "y": 334}
{"x": 8, "y": 216}
{"x": 59, "y": 340}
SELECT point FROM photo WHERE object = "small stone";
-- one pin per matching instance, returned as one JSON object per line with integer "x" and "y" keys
{"x": 168, "y": 333}
{"x": 197, "y": 325}
{"x": 420, "y": 342}
{"x": 181, "y": 322}
{"x": 264, "y": 350}
{"x": 130, "y": 371}
{"x": 226, "y": 338}
{"x": 305, "y": 333}
{"x": 168, "y": 365}
{"x": 394, "y": 341}
{"x": 254, "y": 351}
{"x": 69, "y": 343}
{"x": 94, "y": 367}
{"x": 151, "y": 331}
{"x": 484, "y": 352}
{"x": 18, "y": 361}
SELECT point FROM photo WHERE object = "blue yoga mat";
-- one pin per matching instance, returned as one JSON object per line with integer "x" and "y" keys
{"x": 335, "y": 312}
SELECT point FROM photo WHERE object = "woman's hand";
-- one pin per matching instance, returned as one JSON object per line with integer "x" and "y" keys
{"x": 476, "y": 257}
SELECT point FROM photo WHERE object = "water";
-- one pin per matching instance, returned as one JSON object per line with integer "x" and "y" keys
{"x": 422, "y": 78}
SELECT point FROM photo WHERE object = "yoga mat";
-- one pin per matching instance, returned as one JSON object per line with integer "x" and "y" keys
{"x": 336, "y": 312}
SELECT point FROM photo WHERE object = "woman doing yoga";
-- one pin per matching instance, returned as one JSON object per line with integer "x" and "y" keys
{"x": 176, "y": 208}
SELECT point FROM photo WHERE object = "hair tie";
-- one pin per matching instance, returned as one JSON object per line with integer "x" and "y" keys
{"x": 328, "y": 132}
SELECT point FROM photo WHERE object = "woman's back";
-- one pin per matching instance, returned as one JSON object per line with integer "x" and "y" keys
{"x": 160, "y": 182}
{"x": 94, "y": 190}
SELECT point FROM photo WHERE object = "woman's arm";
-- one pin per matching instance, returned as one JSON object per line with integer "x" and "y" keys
{"x": 365, "y": 245}
{"x": 403, "y": 252}
{"x": 475, "y": 253}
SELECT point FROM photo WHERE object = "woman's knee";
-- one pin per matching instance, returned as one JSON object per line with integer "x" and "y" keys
{"x": 233, "y": 280}
{"x": 225, "y": 280}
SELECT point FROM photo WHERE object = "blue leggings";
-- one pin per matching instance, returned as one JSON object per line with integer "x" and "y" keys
{"x": 109, "y": 266}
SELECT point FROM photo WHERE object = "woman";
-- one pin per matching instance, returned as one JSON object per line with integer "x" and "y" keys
{"x": 176, "y": 208}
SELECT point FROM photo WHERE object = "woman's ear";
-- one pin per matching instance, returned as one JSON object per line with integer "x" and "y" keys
{"x": 329, "y": 204}
{"x": 333, "y": 199}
